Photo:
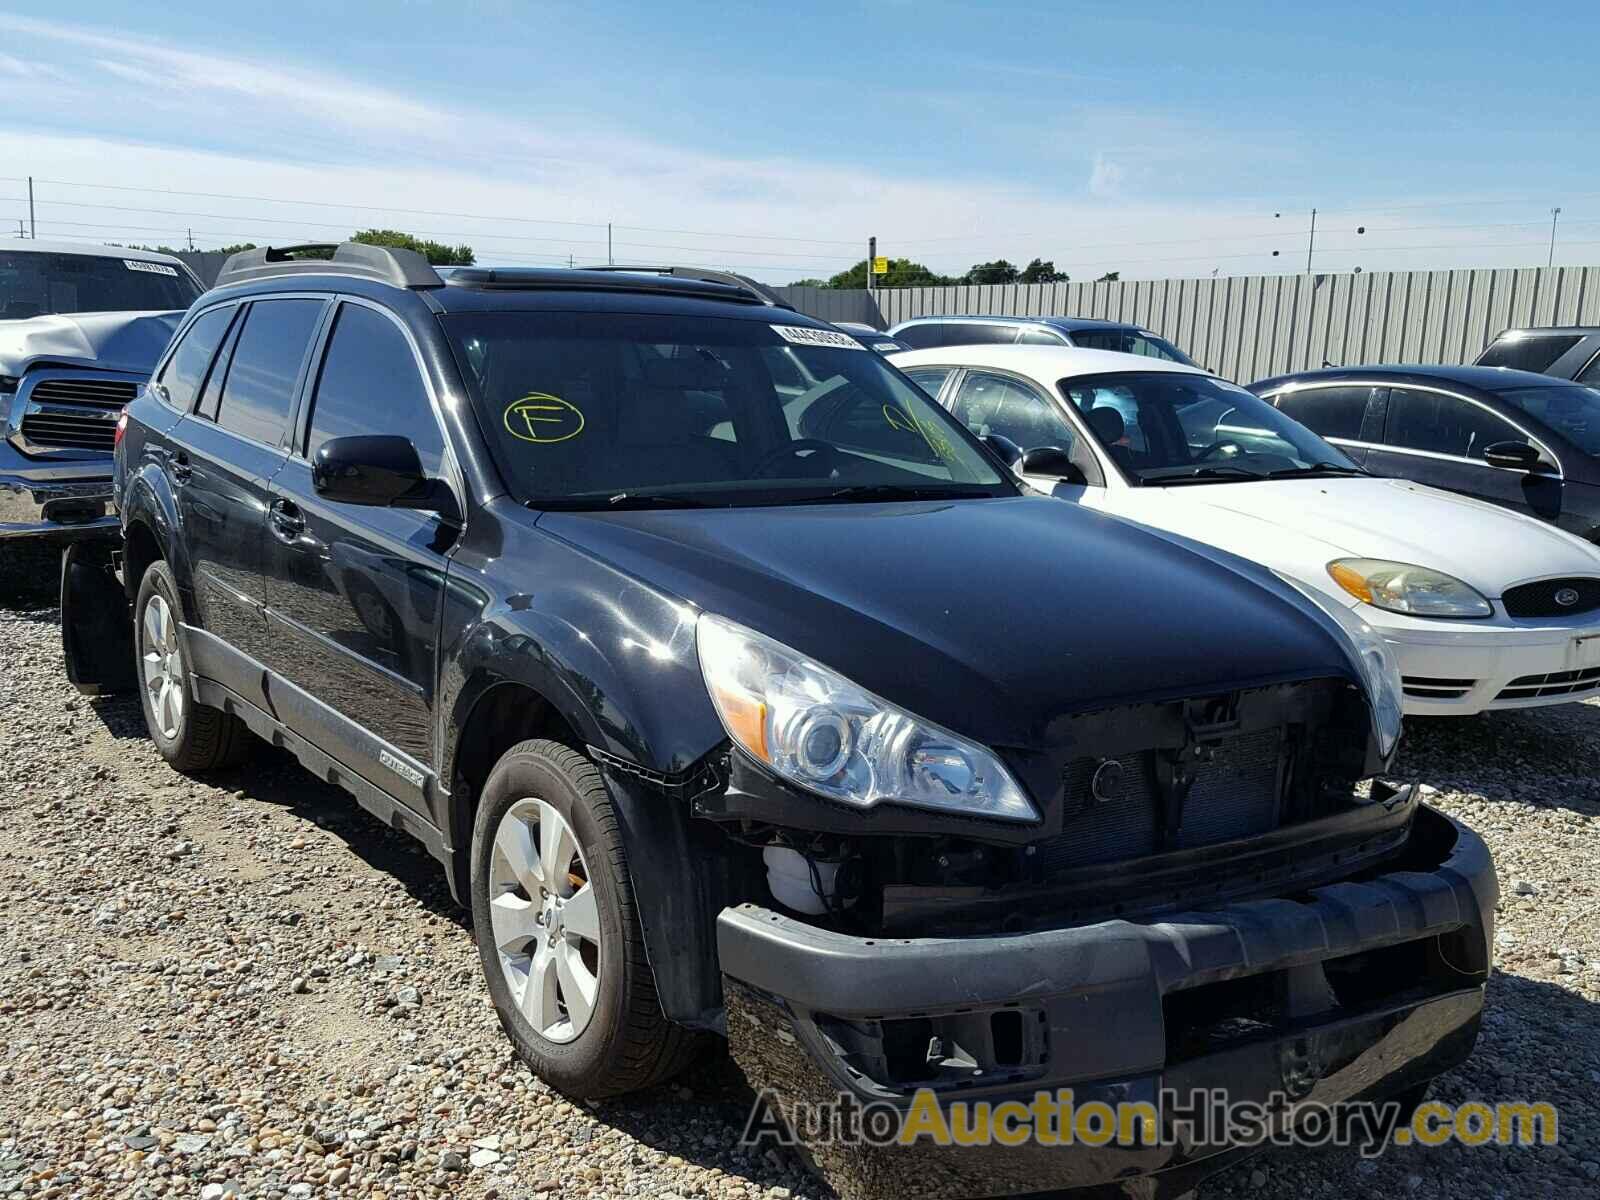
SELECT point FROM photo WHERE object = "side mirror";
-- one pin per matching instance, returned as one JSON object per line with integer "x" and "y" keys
{"x": 380, "y": 471}
{"x": 1003, "y": 446}
{"x": 1052, "y": 462}
{"x": 1517, "y": 456}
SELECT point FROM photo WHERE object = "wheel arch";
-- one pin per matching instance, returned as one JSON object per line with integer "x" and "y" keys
{"x": 152, "y": 529}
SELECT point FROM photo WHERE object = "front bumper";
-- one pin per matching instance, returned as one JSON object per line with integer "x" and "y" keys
{"x": 1466, "y": 669}
{"x": 1383, "y": 979}
{"x": 60, "y": 501}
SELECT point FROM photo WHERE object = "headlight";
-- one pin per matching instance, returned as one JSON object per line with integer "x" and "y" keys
{"x": 820, "y": 731}
{"x": 1404, "y": 588}
{"x": 1379, "y": 664}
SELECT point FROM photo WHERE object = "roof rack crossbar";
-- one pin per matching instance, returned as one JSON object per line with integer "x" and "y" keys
{"x": 705, "y": 275}
{"x": 386, "y": 264}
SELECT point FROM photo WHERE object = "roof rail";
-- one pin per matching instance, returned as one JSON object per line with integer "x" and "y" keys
{"x": 386, "y": 264}
{"x": 759, "y": 290}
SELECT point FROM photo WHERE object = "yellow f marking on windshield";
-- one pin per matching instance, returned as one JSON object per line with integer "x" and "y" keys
{"x": 542, "y": 418}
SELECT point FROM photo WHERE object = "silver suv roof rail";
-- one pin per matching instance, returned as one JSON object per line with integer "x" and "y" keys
{"x": 386, "y": 264}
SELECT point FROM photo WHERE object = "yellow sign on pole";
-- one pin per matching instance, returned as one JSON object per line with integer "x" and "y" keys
{"x": 880, "y": 266}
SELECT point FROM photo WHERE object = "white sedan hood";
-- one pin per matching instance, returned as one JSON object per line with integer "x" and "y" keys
{"x": 1298, "y": 525}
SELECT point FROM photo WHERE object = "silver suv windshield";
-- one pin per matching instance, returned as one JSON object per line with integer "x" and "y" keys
{"x": 606, "y": 410}
{"x": 36, "y": 283}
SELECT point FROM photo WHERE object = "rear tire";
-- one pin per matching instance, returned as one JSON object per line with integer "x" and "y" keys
{"x": 536, "y": 898}
{"x": 189, "y": 735}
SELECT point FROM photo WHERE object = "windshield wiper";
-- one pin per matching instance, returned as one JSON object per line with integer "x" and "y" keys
{"x": 1319, "y": 468}
{"x": 614, "y": 503}
{"x": 1201, "y": 475}
{"x": 900, "y": 491}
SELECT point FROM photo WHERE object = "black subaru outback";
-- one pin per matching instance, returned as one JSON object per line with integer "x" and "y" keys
{"x": 740, "y": 690}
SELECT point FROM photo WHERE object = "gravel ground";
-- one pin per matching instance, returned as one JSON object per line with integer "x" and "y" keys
{"x": 248, "y": 984}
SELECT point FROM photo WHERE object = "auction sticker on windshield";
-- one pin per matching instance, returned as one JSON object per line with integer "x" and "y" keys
{"x": 804, "y": 335}
{"x": 150, "y": 268}
{"x": 542, "y": 418}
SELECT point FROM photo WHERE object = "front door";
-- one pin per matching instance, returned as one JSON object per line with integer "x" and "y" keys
{"x": 353, "y": 592}
{"x": 1438, "y": 439}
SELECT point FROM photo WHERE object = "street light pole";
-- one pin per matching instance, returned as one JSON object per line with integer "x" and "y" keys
{"x": 1555, "y": 215}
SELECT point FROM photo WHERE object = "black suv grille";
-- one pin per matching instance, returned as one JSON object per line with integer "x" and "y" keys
{"x": 1552, "y": 597}
{"x": 1235, "y": 795}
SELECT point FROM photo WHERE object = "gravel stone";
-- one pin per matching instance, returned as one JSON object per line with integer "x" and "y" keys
{"x": 192, "y": 1001}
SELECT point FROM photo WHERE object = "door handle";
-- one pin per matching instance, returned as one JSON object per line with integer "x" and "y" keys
{"x": 286, "y": 521}
{"x": 181, "y": 470}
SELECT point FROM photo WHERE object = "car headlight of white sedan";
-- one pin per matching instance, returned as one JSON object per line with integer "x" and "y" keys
{"x": 1407, "y": 588}
{"x": 817, "y": 730}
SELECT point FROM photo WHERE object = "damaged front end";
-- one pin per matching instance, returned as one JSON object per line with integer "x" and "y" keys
{"x": 1211, "y": 899}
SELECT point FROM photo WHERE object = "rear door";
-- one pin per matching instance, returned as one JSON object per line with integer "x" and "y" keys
{"x": 352, "y": 591}
{"x": 223, "y": 457}
{"x": 1438, "y": 438}
{"x": 1340, "y": 413}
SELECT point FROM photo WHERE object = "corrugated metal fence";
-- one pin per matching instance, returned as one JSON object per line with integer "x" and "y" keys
{"x": 1249, "y": 327}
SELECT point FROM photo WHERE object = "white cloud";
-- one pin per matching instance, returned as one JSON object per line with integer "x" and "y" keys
{"x": 1106, "y": 177}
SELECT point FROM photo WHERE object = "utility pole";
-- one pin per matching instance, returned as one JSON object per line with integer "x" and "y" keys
{"x": 1311, "y": 242}
{"x": 872, "y": 254}
{"x": 1555, "y": 215}
{"x": 191, "y": 240}
{"x": 33, "y": 230}
{"x": 610, "y": 262}
{"x": 570, "y": 263}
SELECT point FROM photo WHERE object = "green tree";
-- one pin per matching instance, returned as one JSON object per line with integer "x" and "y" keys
{"x": 1042, "y": 271}
{"x": 816, "y": 283}
{"x": 1110, "y": 277}
{"x": 998, "y": 271}
{"x": 439, "y": 254}
{"x": 902, "y": 273}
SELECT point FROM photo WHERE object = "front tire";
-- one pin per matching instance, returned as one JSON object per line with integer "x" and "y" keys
{"x": 189, "y": 735}
{"x": 558, "y": 929}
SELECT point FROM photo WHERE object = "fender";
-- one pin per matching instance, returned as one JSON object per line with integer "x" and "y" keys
{"x": 147, "y": 498}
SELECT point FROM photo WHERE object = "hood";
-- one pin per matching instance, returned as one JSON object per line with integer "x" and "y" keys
{"x": 1301, "y": 524}
{"x": 995, "y": 618}
{"x": 109, "y": 341}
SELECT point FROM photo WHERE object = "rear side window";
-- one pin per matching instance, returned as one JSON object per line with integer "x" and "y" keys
{"x": 1130, "y": 341}
{"x": 186, "y": 369}
{"x": 1536, "y": 353}
{"x": 978, "y": 334}
{"x": 1443, "y": 424}
{"x": 923, "y": 337}
{"x": 1591, "y": 374}
{"x": 1334, "y": 412}
{"x": 370, "y": 384}
{"x": 1041, "y": 337}
{"x": 993, "y": 404}
{"x": 259, "y": 391}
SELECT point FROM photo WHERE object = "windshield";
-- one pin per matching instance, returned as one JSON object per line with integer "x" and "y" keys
{"x": 1130, "y": 341}
{"x": 34, "y": 283}
{"x": 1571, "y": 409}
{"x": 597, "y": 410}
{"x": 1165, "y": 426}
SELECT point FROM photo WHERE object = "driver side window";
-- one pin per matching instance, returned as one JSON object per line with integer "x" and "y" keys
{"x": 993, "y": 404}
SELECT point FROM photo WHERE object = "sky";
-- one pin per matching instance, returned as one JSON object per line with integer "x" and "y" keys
{"x": 1152, "y": 139}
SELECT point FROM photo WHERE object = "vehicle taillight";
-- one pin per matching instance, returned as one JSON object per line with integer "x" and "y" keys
{"x": 122, "y": 428}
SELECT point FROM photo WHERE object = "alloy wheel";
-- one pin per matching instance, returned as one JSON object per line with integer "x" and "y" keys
{"x": 546, "y": 920}
{"x": 162, "y": 663}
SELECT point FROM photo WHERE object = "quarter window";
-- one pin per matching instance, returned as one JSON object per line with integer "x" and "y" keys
{"x": 186, "y": 369}
{"x": 1041, "y": 337}
{"x": 370, "y": 385}
{"x": 265, "y": 367}
{"x": 1443, "y": 424}
{"x": 1591, "y": 373}
{"x": 1333, "y": 412}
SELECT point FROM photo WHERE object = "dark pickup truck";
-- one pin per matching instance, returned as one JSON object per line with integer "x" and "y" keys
{"x": 842, "y": 747}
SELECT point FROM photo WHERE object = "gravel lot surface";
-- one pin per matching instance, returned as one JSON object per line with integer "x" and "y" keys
{"x": 247, "y": 984}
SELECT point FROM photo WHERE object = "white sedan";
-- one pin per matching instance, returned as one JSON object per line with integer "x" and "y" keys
{"x": 1486, "y": 608}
